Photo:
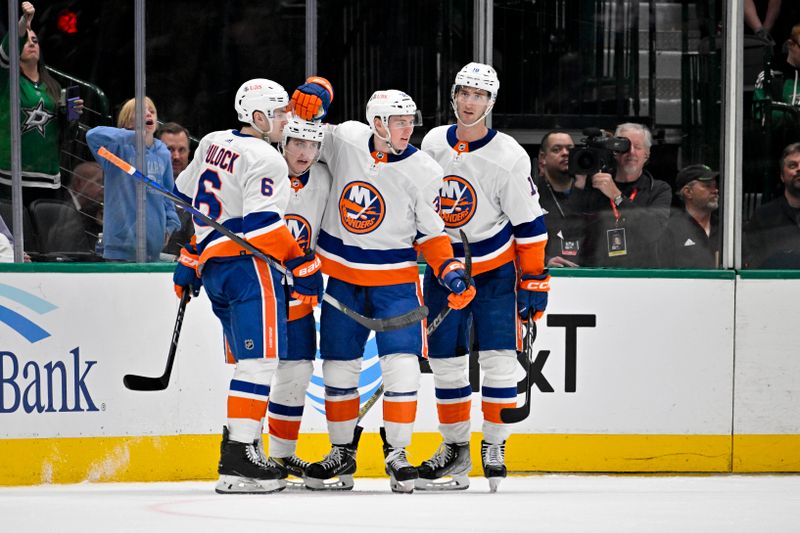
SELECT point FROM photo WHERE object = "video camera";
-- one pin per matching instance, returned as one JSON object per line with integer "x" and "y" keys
{"x": 596, "y": 154}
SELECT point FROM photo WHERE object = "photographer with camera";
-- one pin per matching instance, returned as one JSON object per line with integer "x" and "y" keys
{"x": 561, "y": 196}
{"x": 627, "y": 209}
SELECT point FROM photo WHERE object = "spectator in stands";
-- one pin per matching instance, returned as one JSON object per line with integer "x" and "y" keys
{"x": 176, "y": 137}
{"x": 772, "y": 237}
{"x": 561, "y": 200}
{"x": 761, "y": 28}
{"x": 627, "y": 211}
{"x": 42, "y": 117}
{"x": 781, "y": 87}
{"x": 86, "y": 191}
{"x": 691, "y": 239}
{"x": 119, "y": 200}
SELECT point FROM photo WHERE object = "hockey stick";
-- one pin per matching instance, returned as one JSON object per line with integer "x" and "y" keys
{"x": 363, "y": 412}
{"x": 144, "y": 383}
{"x": 375, "y": 324}
{"x": 438, "y": 319}
{"x": 512, "y": 415}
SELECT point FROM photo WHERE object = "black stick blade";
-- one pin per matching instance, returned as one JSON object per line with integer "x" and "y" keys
{"x": 144, "y": 383}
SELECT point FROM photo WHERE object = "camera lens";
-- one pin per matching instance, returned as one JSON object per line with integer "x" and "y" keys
{"x": 586, "y": 159}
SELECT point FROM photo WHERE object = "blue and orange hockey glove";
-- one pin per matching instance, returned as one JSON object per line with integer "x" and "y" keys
{"x": 532, "y": 296}
{"x": 453, "y": 276}
{"x": 308, "y": 283}
{"x": 186, "y": 275}
{"x": 312, "y": 99}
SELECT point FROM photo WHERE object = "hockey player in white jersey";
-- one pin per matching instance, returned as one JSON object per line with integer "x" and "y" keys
{"x": 310, "y": 183}
{"x": 488, "y": 193}
{"x": 385, "y": 194}
{"x": 240, "y": 180}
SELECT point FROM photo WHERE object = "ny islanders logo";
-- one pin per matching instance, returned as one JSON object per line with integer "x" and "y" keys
{"x": 361, "y": 207}
{"x": 458, "y": 201}
{"x": 300, "y": 230}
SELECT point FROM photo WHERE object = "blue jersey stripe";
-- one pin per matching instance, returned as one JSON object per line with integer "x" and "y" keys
{"x": 499, "y": 392}
{"x": 453, "y": 394}
{"x": 485, "y": 246}
{"x": 249, "y": 388}
{"x": 354, "y": 254}
{"x": 260, "y": 219}
{"x": 233, "y": 224}
{"x": 531, "y": 229}
{"x": 285, "y": 410}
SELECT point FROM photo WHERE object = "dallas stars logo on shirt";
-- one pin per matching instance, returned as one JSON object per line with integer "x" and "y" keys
{"x": 37, "y": 118}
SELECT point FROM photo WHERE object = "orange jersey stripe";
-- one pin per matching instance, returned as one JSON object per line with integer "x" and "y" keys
{"x": 299, "y": 311}
{"x": 369, "y": 278}
{"x": 278, "y": 243}
{"x": 452, "y": 413}
{"x": 436, "y": 251}
{"x": 246, "y": 408}
{"x": 269, "y": 309}
{"x": 491, "y": 411}
{"x": 479, "y": 267}
{"x": 225, "y": 248}
{"x": 284, "y": 429}
{"x": 531, "y": 257}
{"x": 399, "y": 412}
{"x": 341, "y": 411}
{"x": 229, "y": 358}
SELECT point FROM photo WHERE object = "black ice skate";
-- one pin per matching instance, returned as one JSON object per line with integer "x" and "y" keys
{"x": 242, "y": 469}
{"x": 401, "y": 473}
{"x": 448, "y": 469}
{"x": 494, "y": 467}
{"x": 339, "y": 463}
{"x": 295, "y": 467}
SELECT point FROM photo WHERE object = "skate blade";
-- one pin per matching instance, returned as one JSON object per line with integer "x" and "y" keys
{"x": 494, "y": 482}
{"x": 402, "y": 487}
{"x": 242, "y": 485}
{"x": 344, "y": 482}
{"x": 295, "y": 483}
{"x": 445, "y": 483}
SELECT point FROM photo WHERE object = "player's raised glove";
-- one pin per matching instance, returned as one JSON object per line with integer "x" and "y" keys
{"x": 308, "y": 284}
{"x": 186, "y": 275}
{"x": 453, "y": 276}
{"x": 532, "y": 296}
{"x": 312, "y": 99}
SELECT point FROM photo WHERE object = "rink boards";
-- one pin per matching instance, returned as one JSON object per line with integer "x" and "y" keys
{"x": 637, "y": 371}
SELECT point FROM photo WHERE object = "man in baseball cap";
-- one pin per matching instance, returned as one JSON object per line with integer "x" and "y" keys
{"x": 691, "y": 239}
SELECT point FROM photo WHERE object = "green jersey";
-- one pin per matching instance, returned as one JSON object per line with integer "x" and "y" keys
{"x": 39, "y": 126}
{"x": 790, "y": 94}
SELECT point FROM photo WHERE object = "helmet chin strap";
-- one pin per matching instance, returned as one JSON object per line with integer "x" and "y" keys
{"x": 458, "y": 118}
{"x": 264, "y": 134}
{"x": 387, "y": 140}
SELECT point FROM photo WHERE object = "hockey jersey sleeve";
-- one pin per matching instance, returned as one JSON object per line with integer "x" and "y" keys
{"x": 431, "y": 239}
{"x": 265, "y": 190}
{"x": 519, "y": 199}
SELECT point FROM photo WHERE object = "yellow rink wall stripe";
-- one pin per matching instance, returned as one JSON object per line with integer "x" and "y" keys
{"x": 766, "y": 453}
{"x": 190, "y": 457}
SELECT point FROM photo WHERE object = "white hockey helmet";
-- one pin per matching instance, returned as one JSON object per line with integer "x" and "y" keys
{"x": 297, "y": 128}
{"x": 479, "y": 76}
{"x": 384, "y": 104}
{"x": 259, "y": 94}
{"x": 308, "y": 130}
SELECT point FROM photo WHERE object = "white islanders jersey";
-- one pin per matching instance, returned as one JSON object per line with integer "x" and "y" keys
{"x": 241, "y": 182}
{"x": 307, "y": 200}
{"x": 488, "y": 193}
{"x": 380, "y": 206}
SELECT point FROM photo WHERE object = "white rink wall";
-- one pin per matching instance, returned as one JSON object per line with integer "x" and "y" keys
{"x": 641, "y": 370}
